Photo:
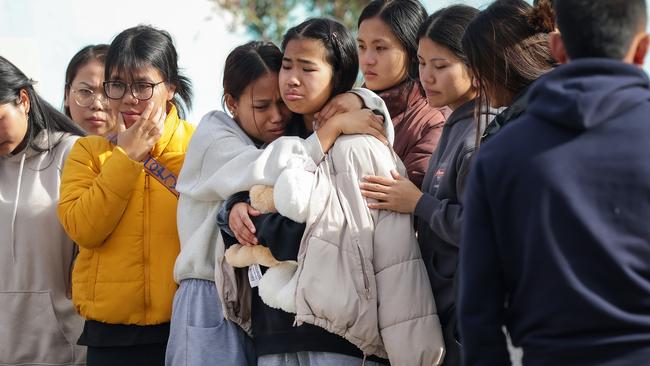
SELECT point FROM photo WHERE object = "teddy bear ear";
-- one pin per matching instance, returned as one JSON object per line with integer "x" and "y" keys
{"x": 292, "y": 194}
{"x": 262, "y": 198}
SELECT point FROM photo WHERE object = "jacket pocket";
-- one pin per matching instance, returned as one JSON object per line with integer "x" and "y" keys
{"x": 364, "y": 273}
{"x": 30, "y": 332}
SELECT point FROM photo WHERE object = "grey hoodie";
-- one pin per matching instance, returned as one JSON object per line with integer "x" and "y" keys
{"x": 439, "y": 211}
{"x": 38, "y": 323}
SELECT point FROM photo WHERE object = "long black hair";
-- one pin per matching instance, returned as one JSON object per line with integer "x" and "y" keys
{"x": 247, "y": 63}
{"x": 446, "y": 27}
{"x": 41, "y": 116}
{"x": 507, "y": 45}
{"x": 89, "y": 53}
{"x": 145, "y": 45}
{"x": 244, "y": 65}
{"x": 339, "y": 44}
{"x": 404, "y": 18}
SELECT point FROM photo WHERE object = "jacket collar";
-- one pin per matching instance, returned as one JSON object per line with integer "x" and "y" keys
{"x": 401, "y": 98}
{"x": 463, "y": 112}
{"x": 171, "y": 125}
{"x": 514, "y": 111}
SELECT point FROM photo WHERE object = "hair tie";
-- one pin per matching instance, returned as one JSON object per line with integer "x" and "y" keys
{"x": 334, "y": 38}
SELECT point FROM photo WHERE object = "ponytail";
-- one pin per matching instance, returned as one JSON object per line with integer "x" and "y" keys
{"x": 542, "y": 17}
{"x": 507, "y": 46}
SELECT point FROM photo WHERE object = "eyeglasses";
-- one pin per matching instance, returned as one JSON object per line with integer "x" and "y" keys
{"x": 85, "y": 97}
{"x": 140, "y": 90}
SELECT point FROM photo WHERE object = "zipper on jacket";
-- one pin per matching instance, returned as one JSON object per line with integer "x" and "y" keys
{"x": 147, "y": 290}
{"x": 304, "y": 241}
{"x": 366, "y": 283}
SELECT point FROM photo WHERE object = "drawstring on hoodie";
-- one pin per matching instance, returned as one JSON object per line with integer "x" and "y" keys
{"x": 15, "y": 212}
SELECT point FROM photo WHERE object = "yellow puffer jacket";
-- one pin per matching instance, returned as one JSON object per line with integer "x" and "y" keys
{"x": 124, "y": 221}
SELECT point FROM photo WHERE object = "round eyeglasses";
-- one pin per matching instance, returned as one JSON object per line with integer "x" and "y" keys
{"x": 85, "y": 97}
{"x": 140, "y": 90}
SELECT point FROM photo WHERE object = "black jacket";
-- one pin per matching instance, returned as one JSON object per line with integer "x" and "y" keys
{"x": 516, "y": 109}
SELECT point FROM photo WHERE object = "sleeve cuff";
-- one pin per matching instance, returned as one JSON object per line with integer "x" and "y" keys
{"x": 314, "y": 149}
{"x": 426, "y": 206}
{"x": 224, "y": 211}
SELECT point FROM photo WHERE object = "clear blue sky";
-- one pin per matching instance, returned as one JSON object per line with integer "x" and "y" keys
{"x": 40, "y": 36}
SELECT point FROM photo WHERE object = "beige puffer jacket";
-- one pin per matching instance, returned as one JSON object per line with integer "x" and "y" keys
{"x": 360, "y": 273}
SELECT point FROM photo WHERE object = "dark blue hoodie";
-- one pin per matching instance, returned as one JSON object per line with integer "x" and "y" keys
{"x": 556, "y": 238}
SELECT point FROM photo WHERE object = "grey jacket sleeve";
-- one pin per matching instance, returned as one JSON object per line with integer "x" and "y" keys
{"x": 445, "y": 216}
{"x": 223, "y": 216}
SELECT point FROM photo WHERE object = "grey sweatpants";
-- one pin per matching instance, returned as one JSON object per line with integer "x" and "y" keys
{"x": 312, "y": 359}
{"x": 199, "y": 334}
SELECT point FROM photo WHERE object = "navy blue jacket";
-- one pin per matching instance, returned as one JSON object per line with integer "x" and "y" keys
{"x": 556, "y": 239}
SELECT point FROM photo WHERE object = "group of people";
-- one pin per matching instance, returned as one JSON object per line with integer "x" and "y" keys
{"x": 487, "y": 180}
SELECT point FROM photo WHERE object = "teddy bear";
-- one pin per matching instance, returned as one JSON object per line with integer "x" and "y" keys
{"x": 290, "y": 197}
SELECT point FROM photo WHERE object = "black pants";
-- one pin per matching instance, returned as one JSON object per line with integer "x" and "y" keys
{"x": 452, "y": 345}
{"x": 140, "y": 355}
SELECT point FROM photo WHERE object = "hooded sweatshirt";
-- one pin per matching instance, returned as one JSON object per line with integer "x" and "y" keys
{"x": 556, "y": 240}
{"x": 38, "y": 323}
{"x": 439, "y": 210}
